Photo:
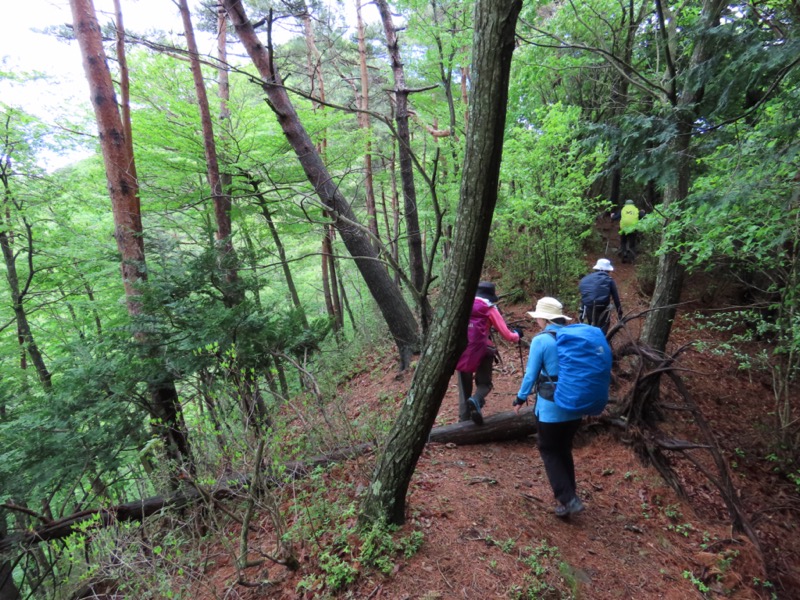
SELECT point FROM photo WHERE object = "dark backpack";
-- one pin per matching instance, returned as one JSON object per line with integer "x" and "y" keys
{"x": 584, "y": 369}
{"x": 595, "y": 288}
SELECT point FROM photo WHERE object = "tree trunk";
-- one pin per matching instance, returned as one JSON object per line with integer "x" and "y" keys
{"x": 494, "y": 23}
{"x": 669, "y": 278}
{"x": 19, "y": 292}
{"x": 287, "y": 272}
{"x": 8, "y": 589}
{"x": 387, "y": 295}
{"x": 123, "y": 189}
{"x": 364, "y": 124}
{"x": 222, "y": 202}
{"x": 415, "y": 258}
{"x": 334, "y": 280}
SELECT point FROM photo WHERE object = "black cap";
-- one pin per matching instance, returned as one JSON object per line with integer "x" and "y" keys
{"x": 486, "y": 290}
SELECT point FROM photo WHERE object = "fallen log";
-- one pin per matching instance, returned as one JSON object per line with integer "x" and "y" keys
{"x": 500, "y": 427}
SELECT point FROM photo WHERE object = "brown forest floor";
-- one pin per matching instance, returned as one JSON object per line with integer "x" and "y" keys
{"x": 485, "y": 509}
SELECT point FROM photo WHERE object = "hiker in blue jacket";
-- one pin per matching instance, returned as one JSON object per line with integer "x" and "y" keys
{"x": 556, "y": 426}
{"x": 597, "y": 291}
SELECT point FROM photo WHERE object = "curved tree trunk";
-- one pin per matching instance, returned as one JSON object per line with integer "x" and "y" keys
{"x": 387, "y": 295}
{"x": 495, "y": 24}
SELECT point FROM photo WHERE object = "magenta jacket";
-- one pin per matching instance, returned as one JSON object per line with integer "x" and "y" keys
{"x": 484, "y": 316}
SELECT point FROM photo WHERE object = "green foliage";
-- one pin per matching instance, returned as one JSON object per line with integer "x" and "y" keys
{"x": 543, "y": 215}
{"x": 545, "y": 579}
{"x": 742, "y": 217}
{"x": 343, "y": 551}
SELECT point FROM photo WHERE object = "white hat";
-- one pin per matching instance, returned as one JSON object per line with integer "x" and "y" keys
{"x": 548, "y": 308}
{"x": 603, "y": 264}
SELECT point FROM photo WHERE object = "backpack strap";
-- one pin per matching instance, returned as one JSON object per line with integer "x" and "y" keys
{"x": 547, "y": 377}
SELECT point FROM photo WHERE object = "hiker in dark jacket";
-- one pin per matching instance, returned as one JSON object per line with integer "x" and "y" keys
{"x": 478, "y": 357}
{"x": 597, "y": 291}
{"x": 556, "y": 426}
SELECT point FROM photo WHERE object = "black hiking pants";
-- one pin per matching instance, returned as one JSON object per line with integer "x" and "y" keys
{"x": 555, "y": 447}
{"x": 598, "y": 315}
{"x": 627, "y": 246}
{"x": 483, "y": 385}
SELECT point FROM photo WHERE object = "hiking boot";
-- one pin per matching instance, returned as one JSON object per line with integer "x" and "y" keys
{"x": 573, "y": 507}
{"x": 475, "y": 411}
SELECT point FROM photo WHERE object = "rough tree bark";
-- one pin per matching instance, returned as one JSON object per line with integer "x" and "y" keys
{"x": 123, "y": 189}
{"x": 387, "y": 294}
{"x": 493, "y": 46}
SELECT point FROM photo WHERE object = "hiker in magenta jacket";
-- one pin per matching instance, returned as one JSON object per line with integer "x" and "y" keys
{"x": 556, "y": 426}
{"x": 478, "y": 357}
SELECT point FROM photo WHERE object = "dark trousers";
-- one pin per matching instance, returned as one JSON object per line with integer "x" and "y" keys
{"x": 483, "y": 385}
{"x": 555, "y": 447}
{"x": 598, "y": 315}
{"x": 627, "y": 246}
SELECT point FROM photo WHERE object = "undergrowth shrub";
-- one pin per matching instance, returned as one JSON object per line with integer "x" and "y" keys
{"x": 543, "y": 217}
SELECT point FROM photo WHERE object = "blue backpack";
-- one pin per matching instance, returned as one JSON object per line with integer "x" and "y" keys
{"x": 584, "y": 369}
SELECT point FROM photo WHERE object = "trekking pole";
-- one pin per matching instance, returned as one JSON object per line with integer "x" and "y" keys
{"x": 521, "y": 363}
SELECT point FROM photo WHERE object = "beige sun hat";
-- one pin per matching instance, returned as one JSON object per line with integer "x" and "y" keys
{"x": 548, "y": 308}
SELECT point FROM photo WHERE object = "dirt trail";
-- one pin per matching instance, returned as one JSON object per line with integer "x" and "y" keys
{"x": 486, "y": 510}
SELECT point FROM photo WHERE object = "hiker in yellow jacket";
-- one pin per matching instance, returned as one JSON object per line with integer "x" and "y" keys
{"x": 628, "y": 218}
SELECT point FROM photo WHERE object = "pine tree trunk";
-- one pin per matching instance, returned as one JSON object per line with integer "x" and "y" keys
{"x": 494, "y": 25}
{"x": 123, "y": 189}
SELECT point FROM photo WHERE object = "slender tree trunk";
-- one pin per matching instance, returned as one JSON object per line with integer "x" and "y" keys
{"x": 327, "y": 277}
{"x": 224, "y": 94}
{"x": 395, "y": 208}
{"x": 337, "y": 305}
{"x": 465, "y": 78}
{"x": 287, "y": 272}
{"x": 18, "y": 290}
{"x": 415, "y": 257}
{"x": 364, "y": 124}
{"x": 494, "y": 23}
{"x": 388, "y": 297}
{"x": 124, "y": 81}
{"x": 222, "y": 202}
{"x": 123, "y": 189}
